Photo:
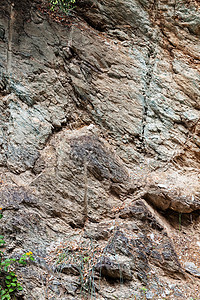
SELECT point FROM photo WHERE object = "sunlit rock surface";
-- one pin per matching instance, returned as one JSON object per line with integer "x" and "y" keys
{"x": 100, "y": 148}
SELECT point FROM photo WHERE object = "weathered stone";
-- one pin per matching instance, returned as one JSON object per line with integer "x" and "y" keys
{"x": 113, "y": 269}
{"x": 140, "y": 211}
{"x": 179, "y": 192}
{"x": 192, "y": 269}
{"x": 99, "y": 140}
{"x": 89, "y": 149}
{"x": 68, "y": 269}
{"x": 2, "y": 33}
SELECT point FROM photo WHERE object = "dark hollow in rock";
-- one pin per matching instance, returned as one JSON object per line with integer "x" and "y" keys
{"x": 112, "y": 269}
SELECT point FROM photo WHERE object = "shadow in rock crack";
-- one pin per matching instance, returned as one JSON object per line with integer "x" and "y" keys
{"x": 181, "y": 221}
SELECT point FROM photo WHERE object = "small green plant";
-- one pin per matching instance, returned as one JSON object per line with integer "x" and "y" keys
{"x": 64, "y": 5}
{"x": 143, "y": 291}
{"x": 9, "y": 284}
{"x": 82, "y": 256}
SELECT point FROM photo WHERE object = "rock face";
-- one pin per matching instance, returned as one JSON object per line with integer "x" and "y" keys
{"x": 100, "y": 148}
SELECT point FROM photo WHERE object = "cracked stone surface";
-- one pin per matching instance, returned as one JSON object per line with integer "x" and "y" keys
{"x": 100, "y": 147}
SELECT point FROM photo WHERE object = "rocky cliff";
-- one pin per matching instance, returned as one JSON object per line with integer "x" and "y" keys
{"x": 100, "y": 148}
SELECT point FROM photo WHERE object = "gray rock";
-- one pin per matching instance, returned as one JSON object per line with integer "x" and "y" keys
{"x": 2, "y": 33}
{"x": 113, "y": 269}
{"x": 99, "y": 142}
{"x": 192, "y": 269}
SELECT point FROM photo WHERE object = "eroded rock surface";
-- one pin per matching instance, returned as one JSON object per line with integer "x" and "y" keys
{"x": 100, "y": 148}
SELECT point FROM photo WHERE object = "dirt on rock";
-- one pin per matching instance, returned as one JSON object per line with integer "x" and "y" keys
{"x": 100, "y": 148}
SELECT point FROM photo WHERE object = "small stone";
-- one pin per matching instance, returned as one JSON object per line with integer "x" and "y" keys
{"x": 192, "y": 269}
